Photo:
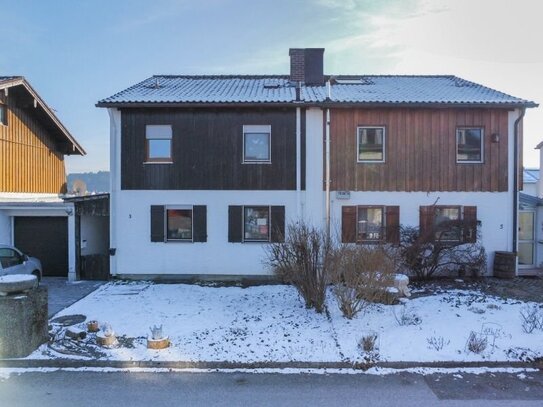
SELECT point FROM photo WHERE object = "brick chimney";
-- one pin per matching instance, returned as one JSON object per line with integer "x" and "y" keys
{"x": 306, "y": 65}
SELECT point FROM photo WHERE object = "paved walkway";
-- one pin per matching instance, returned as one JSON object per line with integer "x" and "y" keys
{"x": 63, "y": 293}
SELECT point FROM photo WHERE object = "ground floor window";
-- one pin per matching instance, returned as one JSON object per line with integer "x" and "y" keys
{"x": 256, "y": 223}
{"x": 179, "y": 224}
{"x": 370, "y": 224}
{"x": 447, "y": 227}
{"x": 448, "y": 223}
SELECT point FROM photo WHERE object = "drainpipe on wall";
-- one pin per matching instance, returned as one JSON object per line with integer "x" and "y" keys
{"x": 515, "y": 177}
{"x": 298, "y": 162}
{"x": 327, "y": 177}
{"x": 113, "y": 145}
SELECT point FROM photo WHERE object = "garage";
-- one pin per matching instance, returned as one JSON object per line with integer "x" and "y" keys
{"x": 44, "y": 237}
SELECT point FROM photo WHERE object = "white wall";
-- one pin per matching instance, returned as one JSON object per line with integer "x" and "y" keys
{"x": 492, "y": 210}
{"x": 136, "y": 254}
{"x": 314, "y": 200}
{"x": 93, "y": 230}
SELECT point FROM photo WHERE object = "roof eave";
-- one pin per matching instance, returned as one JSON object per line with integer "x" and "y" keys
{"x": 20, "y": 80}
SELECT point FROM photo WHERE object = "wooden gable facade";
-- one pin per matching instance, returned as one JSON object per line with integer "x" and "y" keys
{"x": 32, "y": 143}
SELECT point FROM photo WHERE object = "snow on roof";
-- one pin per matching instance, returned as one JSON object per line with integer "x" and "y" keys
{"x": 278, "y": 89}
{"x": 530, "y": 175}
{"x": 22, "y": 198}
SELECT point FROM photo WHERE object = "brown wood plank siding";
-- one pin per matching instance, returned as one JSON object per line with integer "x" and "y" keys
{"x": 420, "y": 150}
{"x": 29, "y": 160}
{"x": 207, "y": 149}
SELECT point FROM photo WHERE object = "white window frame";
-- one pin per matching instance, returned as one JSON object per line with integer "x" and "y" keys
{"x": 4, "y": 108}
{"x": 456, "y": 134}
{"x": 257, "y": 129}
{"x": 158, "y": 132}
{"x": 358, "y": 160}
{"x": 178, "y": 207}
{"x": 243, "y": 224}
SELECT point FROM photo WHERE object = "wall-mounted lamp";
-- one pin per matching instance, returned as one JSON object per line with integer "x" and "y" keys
{"x": 495, "y": 138}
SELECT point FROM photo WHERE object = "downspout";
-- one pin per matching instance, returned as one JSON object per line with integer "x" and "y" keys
{"x": 515, "y": 177}
{"x": 298, "y": 155}
{"x": 327, "y": 149}
{"x": 113, "y": 146}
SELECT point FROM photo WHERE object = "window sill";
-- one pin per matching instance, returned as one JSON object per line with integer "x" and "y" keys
{"x": 470, "y": 162}
{"x": 371, "y": 162}
{"x": 257, "y": 162}
{"x": 157, "y": 162}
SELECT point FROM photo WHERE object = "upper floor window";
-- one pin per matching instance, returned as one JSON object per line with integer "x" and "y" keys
{"x": 469, "y": 145}
{"x": 158, "y": 139}
{"x": 257, "y": 144}
{"x": 3, "y": 114}
{"x": 371, "y": 144}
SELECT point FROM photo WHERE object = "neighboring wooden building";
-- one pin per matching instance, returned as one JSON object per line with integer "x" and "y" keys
{"x": 33, "y": 143}
{"x": 205, "y": 168}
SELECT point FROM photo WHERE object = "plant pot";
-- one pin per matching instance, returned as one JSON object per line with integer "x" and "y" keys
{"x": 106, "y": 341}
{"x": 161, "y": 343}
{"x": 92, "y": 326}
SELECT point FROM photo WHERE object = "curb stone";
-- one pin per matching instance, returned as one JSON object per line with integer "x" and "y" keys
{"x": 118, "y": 364}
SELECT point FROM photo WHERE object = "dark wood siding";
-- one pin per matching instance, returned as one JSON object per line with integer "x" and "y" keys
{"x": 420, "y": 150}
{"x": 207, "y": 150}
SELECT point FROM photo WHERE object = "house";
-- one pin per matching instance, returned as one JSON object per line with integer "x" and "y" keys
{"x": 33, "y": 144}
{"x": 530, "y": 215}
{"x": 207, "y": 169}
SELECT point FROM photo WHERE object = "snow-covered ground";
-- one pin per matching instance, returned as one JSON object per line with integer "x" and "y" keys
{"x": 270, "y": 323}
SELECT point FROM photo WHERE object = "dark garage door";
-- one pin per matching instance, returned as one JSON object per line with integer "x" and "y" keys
{"x": 45, "y": 238}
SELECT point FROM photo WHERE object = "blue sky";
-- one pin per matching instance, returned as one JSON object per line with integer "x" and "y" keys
{"x": 75, "y": 53}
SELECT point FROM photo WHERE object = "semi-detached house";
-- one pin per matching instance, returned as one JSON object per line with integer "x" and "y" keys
{"x": 207, "y": 169}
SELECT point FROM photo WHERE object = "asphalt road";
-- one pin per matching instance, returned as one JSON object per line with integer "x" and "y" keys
{"x": 65, "y": 388}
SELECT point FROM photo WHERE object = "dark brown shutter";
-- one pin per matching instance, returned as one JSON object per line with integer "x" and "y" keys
{"x": 426, "y": 219}
{"x": 199, "y": 217}
{"x": 157, "y": 223}
{"x": 234, "y": 224}
{"x": 470, "y": 224}
{"x": 392, "y": 231}
{"x": 348, "y": 224}
{"x": 277, "y": 224}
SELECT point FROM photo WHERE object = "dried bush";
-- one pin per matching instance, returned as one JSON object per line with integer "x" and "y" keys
{"x": 406, "y": 317}
{"x": 425, "y": 256}
{"x": 361, "y": 275}
{"x": 437, "y": 342}
{"x": 477, "y": 343}
{"x": 368, "y": 342}
{"x": 304, "y": 260}
{"x": 532, "y": 318}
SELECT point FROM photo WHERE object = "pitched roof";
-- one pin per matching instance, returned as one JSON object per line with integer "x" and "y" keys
{"x": 279, "y": 90}
{"x": 43, "y": 113}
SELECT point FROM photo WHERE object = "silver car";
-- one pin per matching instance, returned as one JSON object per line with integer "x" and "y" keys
{"x": 13, "y": 261}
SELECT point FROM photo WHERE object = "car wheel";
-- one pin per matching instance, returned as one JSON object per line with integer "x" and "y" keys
{"x": 37, "y": 274}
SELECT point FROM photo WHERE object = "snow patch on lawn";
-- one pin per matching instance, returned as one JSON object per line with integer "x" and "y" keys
{"x": 271, "y": 324}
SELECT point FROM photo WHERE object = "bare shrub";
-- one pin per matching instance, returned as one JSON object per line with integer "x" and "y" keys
{"x": 424, "y": 255}
{"x": 531, "y": 318}
{"x": 361, "y": 275}
{"x": 304, "y": 260}
{"x": 406, "y": 317}
{"x": 437, "y": 342}
{"x": 368, "y": 342}
{"x": 477, "y": 343}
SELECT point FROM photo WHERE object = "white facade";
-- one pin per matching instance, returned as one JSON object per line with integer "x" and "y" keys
{"x": 135, "y": 254}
